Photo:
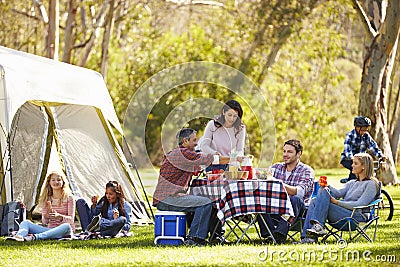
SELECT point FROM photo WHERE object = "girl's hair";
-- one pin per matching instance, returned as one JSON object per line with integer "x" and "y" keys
{"x": 368, "y": 163}
{"x": 220, "y": 119}
{"x": 47, "y": 191}
{"x": 117, "y": 188}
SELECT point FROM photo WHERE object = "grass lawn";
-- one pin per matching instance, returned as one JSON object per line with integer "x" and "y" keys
{"x": 140, "y": 250}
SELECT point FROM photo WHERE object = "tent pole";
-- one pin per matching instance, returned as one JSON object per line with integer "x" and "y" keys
{"x": 10, "y": 147}
{"x": 137, "y": 173}
{"x": 3, "y": 171}
{"x": 8, "y": 166}
{"x": 10, "y": 143}
{"x": 9, "y": 160}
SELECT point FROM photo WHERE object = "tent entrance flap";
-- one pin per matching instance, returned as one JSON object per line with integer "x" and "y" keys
{"x": 29, "y": 147}
{"x": 88, "y": 155}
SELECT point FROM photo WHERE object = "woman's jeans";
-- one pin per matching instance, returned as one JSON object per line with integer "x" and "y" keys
{"x": 201, "y": 206}
{"x": 321, "y": 209}
{"x": 111, "y": 227}
{"x": 41, "y": 232}
{"x": 84, "y": 213}
{"x": 107, "y": 227}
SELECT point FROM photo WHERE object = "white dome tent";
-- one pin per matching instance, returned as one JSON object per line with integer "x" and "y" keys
{"x": 58, "y": 116}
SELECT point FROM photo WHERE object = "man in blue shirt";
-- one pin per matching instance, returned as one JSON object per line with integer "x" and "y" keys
{"x": 358, "y": 140}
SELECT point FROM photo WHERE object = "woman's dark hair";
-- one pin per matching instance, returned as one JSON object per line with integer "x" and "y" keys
{"x": 220, "y": 119}
{"x": 117, "y": 188}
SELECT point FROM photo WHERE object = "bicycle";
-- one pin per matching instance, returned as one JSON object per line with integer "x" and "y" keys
{"x": 387, "y": 207}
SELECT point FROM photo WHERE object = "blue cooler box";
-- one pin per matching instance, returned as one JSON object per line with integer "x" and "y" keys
{"x": 169, "y": 227}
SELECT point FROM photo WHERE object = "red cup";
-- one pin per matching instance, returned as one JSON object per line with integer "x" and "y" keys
{"x": 322, "y": 181}
{"x": 196, "y": 170}
{"x": 250, "y": 170}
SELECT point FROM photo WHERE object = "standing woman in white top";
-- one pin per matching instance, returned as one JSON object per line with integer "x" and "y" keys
{"x": 225, "y": 133}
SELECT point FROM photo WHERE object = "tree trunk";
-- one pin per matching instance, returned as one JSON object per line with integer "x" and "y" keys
{"x": 122, "y": 10}
{"x": 41, "y": 10}
{"x": 95, "y": 33}
{"x": 283, "y": 37}
{"x": 375, "y": 82}
{"x": 70, "y": 24}
{"x": 53, "y": 32}
{"x": 106, "y": 40}
{"x": 395, "y": 140}
{"x": 394, "y": 130}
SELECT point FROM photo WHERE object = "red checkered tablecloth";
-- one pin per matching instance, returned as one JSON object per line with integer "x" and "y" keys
{"x": 234, "y": 198}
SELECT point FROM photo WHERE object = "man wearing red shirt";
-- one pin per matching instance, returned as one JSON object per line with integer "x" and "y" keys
{"x": 176, "y": 172}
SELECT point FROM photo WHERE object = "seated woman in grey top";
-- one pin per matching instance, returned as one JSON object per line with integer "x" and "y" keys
{"x": 335, "y": 204}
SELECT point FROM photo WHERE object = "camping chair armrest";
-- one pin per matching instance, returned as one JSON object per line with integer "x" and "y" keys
{"x": 361, "y": 207}
{"x": 373, "y": 203}
{"x": 369, "y": 206}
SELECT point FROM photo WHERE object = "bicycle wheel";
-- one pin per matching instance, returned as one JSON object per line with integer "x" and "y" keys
{"x": 386, "y": 207}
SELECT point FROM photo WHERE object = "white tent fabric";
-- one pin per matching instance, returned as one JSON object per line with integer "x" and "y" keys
{"x": 58, "y": 115}
{"x": 30, "y": 77}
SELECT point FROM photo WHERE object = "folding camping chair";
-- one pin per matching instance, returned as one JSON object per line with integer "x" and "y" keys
{"x": 354, "y": 228}
{"x": 234, "y": 223}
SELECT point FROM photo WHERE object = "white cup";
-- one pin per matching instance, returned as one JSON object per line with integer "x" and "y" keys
{"x": 270, "y": 175}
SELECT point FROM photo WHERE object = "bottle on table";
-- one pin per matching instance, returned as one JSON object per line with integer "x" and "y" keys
{"x": 247, "y": 165}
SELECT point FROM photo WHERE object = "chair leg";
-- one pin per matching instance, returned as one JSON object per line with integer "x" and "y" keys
{"x": 231, "y": 230}
{"x": 244, "y": 232}
{"x": 376, "y": 227}
{"x": 266, "y": 225}
{"x": 212, "y": 235}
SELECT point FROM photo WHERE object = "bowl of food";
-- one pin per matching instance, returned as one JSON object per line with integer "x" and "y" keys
{"x": 238, "y": 175}
{"x": 261, "y": 173}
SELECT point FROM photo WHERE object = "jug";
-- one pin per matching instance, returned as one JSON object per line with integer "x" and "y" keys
{"x": 247, "y": 165}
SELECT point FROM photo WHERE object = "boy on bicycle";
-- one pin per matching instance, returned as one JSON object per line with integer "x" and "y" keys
{"x": 358, "y": 140}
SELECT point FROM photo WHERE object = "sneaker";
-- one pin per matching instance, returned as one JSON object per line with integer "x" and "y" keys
{"x": 267, "y": 240}
{"x": 316, "y": 230}
{"x": 219, "y": 240}
{"x": 94, "y": 224}
{"x": 17, "y": 238}
{"x": 306, "y": 240}
{"x": 29, "y": 238}
{"x": 194, "y": 241}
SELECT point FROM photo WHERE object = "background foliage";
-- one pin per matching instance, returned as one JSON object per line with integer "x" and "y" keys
{"x": 305, "y": 56}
